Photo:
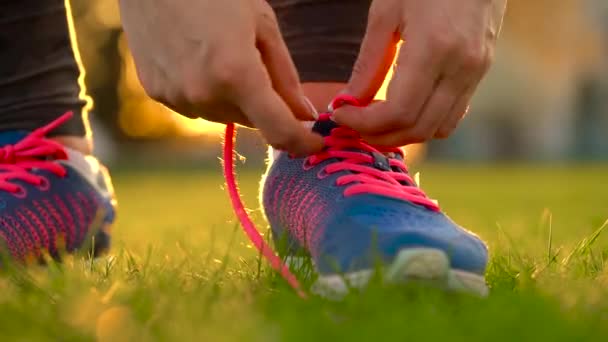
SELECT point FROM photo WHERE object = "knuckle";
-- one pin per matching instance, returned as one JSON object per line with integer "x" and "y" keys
{"x": 191, "y": 86}
{"x": 227, "y": 70}
{"x": 195, "y": 91}
{"x": 269, "y": 19}
{"x": 473, "y": 59}
{"x": 269, "y": 28}
{"x": 444, "y": 43}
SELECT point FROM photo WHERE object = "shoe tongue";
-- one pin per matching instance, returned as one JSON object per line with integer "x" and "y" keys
{"x": 324, "y": 127}
{"x": 11, "y": 137}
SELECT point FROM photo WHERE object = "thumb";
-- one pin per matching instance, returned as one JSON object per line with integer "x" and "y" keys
{"x": 376, "y": 56}
{"x": 280, "y": 66}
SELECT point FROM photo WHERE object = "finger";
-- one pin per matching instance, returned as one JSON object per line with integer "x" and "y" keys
{"x": 469, "y": 75}
{"x": 433, "y": 114}
{"x": 460, "y": 109}
{"x": 415, "y": 77}
{"x": 281, "y": 130}
{"x": 436, "y": 110}
{"x": 280, "y": 66}
{"x": 270, "y": 114}
{"x": 375, "y": 57}
{"x": 220, "y": 112}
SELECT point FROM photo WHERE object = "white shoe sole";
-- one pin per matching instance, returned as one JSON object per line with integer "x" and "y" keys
{"x": 413, "y": 265}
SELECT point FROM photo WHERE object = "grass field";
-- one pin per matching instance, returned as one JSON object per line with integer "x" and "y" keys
{"x": 182, "y": 270}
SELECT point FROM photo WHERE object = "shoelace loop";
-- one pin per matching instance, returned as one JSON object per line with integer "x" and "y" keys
{"x": 32, "y": 152}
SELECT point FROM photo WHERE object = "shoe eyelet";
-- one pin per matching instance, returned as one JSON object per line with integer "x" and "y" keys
{"x": 45, "y": 184}
{"x": 20, "y": 193}
{"x": 306, "y": 165}
{"x": 322, "y": 174}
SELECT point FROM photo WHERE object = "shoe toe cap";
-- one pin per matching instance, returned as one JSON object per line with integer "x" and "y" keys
{"x": 371, "y": 229}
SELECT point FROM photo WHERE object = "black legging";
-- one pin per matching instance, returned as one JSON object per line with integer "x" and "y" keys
{"x": 39, "y": 74}
{"x": 323, "y": 36}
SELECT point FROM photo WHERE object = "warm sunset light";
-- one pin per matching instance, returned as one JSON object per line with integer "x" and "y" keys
{"x": 197, "y": 126}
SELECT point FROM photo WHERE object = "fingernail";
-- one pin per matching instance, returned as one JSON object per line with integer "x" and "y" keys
{"x": 311, "y": 108}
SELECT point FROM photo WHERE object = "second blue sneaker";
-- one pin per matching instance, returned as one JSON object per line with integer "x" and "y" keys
{"x": 53, "y": 200}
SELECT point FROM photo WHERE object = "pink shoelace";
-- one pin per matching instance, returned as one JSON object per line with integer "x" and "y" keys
{"x": 391, "y": 178}
{"x": 32, "y": 152}
{"x": 248, "y": 226}
{"x": 393, "y": 181}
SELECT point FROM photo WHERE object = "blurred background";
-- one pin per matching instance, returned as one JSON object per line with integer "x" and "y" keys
{"x": 545, "y": 99}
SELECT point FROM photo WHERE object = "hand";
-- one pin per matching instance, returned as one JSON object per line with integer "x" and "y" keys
{"x": 448, "y": 47}
{"x": 224, "y": 61}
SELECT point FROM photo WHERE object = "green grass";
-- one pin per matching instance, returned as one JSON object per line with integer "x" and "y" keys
{"x": 182, "y": 270}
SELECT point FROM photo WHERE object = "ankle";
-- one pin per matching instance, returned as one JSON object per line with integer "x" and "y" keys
{"x": 81, "y": 144}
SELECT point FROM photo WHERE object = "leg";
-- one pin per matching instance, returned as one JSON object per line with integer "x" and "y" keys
{"x": 324, "y": 38}
{"x": 54, "y": 197}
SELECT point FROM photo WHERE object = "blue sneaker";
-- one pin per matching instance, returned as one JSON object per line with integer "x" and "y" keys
{"x": 52, "y": 199}
{"x": 353, "y": 207}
